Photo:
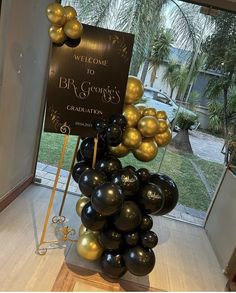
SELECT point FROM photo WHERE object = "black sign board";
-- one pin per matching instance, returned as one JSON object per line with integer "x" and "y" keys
{"x": 87, "y": 82}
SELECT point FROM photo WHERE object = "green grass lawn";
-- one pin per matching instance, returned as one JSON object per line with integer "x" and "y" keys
{"x": 191, "y": 189}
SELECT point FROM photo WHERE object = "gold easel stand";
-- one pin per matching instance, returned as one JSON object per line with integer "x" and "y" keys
{"x": 68, "y": 233}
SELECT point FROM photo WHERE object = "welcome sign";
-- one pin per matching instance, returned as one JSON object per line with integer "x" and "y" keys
{"x": 87, "y": 82}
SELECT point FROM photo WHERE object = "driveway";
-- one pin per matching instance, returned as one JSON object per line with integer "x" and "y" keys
{"x": 207, "y": 146}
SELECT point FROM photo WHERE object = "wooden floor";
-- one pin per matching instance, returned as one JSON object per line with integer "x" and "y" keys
{"x": 185, "y": 259}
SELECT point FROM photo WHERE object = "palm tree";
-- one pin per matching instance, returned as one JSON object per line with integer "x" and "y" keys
{"x": 171, "y": 75}
{"x": 160, "y": 51}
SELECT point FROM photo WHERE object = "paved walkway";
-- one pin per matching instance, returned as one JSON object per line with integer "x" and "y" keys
{"x": 47, "y": 175}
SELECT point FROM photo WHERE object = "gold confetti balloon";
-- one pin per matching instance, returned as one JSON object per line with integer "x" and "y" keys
{"x": 147, "y": 150}
{"x": 161, "y": 115}
{"x": 73, "y": 29}
{"x": 132, "y": 138}
{"x": 81, "y": 203}
{"x": 134, "y": 90}
{"x": 132, "y": 115}
{"x": 149, "y": 112}
{"x": 148, "y": 126}
{"x": 119, "y": 151}
{"x": 163, "y": 139}
{"x": 89, "y": 247}
{"x": 56, "y": 14}
{"x": 141, "y": 109}
{"x": 162, "y": 125}
{"x": 70, "y": 13}
{"x": 56, "y": 34}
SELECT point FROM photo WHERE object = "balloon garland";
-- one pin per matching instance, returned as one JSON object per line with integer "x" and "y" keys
{"x": 64, "y": 24}
{"x": 117, "y": 201}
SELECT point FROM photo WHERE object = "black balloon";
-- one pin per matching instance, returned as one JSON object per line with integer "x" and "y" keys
{"x": 91, "y": 219}
{"x": 72, "y": 42}
{"x": 130, "y": 168}
{"x": 107, "y": 199}
{"x": 113, "y": 265}
{"x": 132, "y": 238}
{"x": 108, "y": 165}
{"x": 87, "y": 148}
{"x": 79, "y": 156}
{"x": 139, "y": 261}
{"x": 150, "y": 198}
{"x": 110, "y": 239}
{"x": 149, "y": 239}
{"x": 114, "y": 135}
{"x": 100, "y": 126}
{"x": 89, "y": 180}
{"x": 119, "y": 120}
{"x": 169, "y": 190}
{"x": 127, "y": 180}
{"x": 78, "y": 169}
{"x": 143, "y": 175}
{"x": 146, "y": 223}
{"x": 129, "y": 217}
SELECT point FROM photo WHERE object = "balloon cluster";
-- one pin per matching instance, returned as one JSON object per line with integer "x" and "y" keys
{"x": 65, "y": 26}
{"x": 114, "y": 210}
{"x": 147, "y": 129}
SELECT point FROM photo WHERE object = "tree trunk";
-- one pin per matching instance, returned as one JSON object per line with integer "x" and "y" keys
{"x": 153, "y": 75}
{"x": 181, "y": 143}
{"x": 144, "y": 71}
{"x": 225, "y": 112}
{"x": 171, "y": 93}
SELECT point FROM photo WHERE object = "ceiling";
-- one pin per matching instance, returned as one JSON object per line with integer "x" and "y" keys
{"x": 229, "y": 5}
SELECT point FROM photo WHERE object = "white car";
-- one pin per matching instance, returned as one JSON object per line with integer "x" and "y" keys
{"x": 161, "y": 102}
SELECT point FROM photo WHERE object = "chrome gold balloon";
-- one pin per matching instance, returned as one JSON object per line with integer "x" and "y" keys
{"x": 70, "y": 13}
{"x": 134, "y": 90}
{"x": 161, "y": 115}
{"x": 149, "y": 112}
{"x": 73, "y": 29}
{"x": 119, "y": 151}
{"x": 56, "y": 34}
{"x": 162, "y": 125}
{"x": 56, "y": 14}
{"x": 147, "y": 150}
{"x": 132, "y": 115}
{"x": 132, "y": 138}
{"x": 81, "y": 203}
{"x": 148, "y": 126}
{"x": 88, "y": 246}
{"x": 163, "y": 139}
{"x": 83, "y": 229}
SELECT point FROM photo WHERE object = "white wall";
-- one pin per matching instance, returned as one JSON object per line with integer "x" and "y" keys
{"x": 24, "y": 47}
{"x": 221, "y": 223}
{"x": 159, "y": 84}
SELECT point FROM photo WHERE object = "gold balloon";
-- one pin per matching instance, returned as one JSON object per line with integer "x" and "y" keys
{"x": 161, "y": 115}
{"x": 147, "y": 150}
{"x": 73, "y": 29}
{"x": 132, "y": 115}
{"x": 56, "y": 14}
{"x": 70, "y": 12}
{"x": 134, "y": 90}
{"x": 83, "y": 229}
{"x": 162, "y": 125}
{"x": 56, "y": 34}
{"x": 148, "y": 126}
{"x": 132, "y": 138}
{"x": 163, "y": 139}
{"x": 88, "y": 246}
{"x": 141, "y": 109}
{"x": 119, "y": 151}
{"x": 149, "y": 112}
{"x": 81, "y": 203}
